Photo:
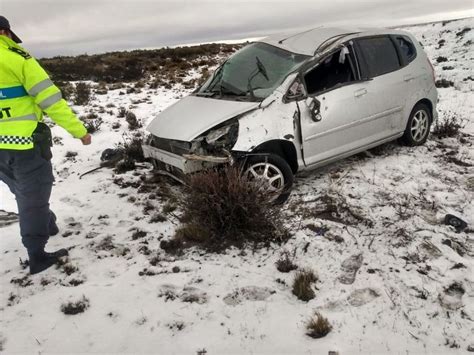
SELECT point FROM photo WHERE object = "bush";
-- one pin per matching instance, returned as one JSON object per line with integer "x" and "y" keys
{"x": 318, "y": 326}
{"x": 92, "y": 123}
{"x": 222, "y": 208}
{"x": 131, "y": 152}
{"x": 285, "y": 263}
{"x": 72, "y": 308}
{"x": 450, "y": 126}
{"x": 122, "y": 112}
{"x": 132, "y": 147}
{"x": 302, "y": 285}
{"x": 67, "y": 89}
{"x": 83, "y": 94}
{"x": 133, "y": 122}
{"x": 444, "y": 83}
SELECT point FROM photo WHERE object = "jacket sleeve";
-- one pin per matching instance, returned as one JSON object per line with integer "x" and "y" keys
{"x": 48, "y": 97}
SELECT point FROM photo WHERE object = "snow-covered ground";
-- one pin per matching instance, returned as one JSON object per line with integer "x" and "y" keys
{"x": 413, "y": 291}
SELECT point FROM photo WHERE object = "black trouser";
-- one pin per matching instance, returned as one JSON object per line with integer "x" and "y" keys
{"x": 30, "y": 178}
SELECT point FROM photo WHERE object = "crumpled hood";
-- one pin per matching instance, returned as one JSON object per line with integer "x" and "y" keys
{"x": 193, "y": 115}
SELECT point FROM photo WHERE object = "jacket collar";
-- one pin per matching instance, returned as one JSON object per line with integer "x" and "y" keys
{"x": 8, "y": 42}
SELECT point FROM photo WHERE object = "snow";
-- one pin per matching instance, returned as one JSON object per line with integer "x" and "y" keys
{"x": 398, "y": 302}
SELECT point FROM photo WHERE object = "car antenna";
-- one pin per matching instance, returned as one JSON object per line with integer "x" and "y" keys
{"x": 297, "y": 34}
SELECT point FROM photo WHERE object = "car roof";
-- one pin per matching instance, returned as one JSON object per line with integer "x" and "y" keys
{"x": 308, "y": 41}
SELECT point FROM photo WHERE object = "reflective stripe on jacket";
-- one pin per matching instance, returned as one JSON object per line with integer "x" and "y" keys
{"x": 26, "y": 91}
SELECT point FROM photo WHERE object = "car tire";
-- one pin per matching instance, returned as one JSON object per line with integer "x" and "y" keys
{"x": 272, "y": 166}
{"x": 418, "y": 126}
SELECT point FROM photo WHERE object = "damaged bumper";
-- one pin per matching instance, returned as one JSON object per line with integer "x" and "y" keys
{"x": 186, "y": 163}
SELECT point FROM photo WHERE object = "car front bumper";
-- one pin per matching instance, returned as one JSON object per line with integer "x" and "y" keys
{"x": 188, "y": 163}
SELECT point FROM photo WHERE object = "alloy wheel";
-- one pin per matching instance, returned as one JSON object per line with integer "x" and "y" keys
{"x": 268, "y": 174}
{"x": 419, "y": 125}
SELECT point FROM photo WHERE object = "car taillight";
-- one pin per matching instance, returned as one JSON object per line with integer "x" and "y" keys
{"x": 432, "y": 70}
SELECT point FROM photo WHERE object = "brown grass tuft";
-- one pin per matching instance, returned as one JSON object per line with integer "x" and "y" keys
{"x": 318, "y": 326}
{"x": 286, "y": 263}
{"x": 302, "y": 285}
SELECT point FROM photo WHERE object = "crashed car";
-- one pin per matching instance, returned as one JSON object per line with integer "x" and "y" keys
{"x": 298, "y": 101}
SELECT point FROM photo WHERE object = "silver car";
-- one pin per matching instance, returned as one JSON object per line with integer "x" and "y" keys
{"x": 298, "y": 101}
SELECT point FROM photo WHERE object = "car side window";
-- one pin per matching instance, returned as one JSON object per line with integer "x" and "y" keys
{"x": 334, "y": 70}
{"x": 379, "y": 55}
{"x": 407, "y": 48}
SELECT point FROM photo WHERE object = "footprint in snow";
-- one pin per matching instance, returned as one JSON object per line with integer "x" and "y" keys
{"x": 248, "y": 293}
{"x": 189, "y": 294}
{"x": 349, "y": 268}
{"x": 451, "y": 297}
{"x": 362, "y": 296}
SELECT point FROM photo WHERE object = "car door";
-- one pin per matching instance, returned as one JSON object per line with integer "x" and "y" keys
{"x": 413, "y": 77}
{"x": 346, "y": 118}
{"x": 380, "y": 62}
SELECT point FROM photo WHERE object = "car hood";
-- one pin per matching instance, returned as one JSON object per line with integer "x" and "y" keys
{"x": 193, "y": 115}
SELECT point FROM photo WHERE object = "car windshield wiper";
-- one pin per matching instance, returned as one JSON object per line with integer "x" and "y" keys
{"x": 217, "y": 79}
{"x": 260, "y": 70}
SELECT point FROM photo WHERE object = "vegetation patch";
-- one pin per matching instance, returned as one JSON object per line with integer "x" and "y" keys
{"x": 73, "y": 308}
{"x": 83, "y": 94}
{"x": 221, "y": 208}
{"x": 286, "y": 263}
{"x": 302, "y": 285}
{"x": 449, "y": 126}
{"x": 318, "y": 326}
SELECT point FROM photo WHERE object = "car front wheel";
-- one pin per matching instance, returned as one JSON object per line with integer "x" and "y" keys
{"x": 273, "y": 172}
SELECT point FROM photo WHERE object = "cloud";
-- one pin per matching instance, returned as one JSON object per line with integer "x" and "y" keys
{"x": 63, "y": 27}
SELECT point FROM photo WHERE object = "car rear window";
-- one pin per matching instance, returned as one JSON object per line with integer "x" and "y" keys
{"x": 407, "y": 48}
{"x": 379, "y": 54}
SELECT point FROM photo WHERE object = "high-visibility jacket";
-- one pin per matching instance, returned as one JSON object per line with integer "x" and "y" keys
{"x": 26, "y": 91}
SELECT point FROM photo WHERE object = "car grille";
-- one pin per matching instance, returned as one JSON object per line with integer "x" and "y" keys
{"x": 173, "y": 146}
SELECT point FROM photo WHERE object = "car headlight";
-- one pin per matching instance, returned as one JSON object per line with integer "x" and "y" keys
{"x": 215, "y": 135}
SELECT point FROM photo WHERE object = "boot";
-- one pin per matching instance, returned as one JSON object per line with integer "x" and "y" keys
{"x": 41, "y": 260}
{"x": 53, "y": 228}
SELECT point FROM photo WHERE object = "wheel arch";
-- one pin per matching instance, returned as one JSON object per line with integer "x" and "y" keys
{"x": 428, "y": 103}
{"x": 284, "y": 149}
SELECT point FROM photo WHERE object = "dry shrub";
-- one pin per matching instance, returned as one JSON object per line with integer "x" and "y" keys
{"x": 318, "y": 326}
{"x": 222, "y": 208}
{"x": 92, "y": 123}
{"x": 132, "y": 152}
{"x": 83, "y": 94}
{"x": 450, "y": 126}
{"x": 302, "y": 283}
{"x": 72, "y": 308}
{"x": 133, "y": 122}
{"x": 286, "y": 263}
{"x": 67, "y": 89}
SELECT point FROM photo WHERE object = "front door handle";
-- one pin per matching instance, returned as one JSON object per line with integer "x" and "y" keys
{"x": 408, "y": 77}
{"x": 360, "y": 92}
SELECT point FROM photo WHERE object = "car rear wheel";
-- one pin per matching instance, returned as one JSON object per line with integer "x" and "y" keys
{"x": 418, "y": 126}
{"x": 273, "y": 172}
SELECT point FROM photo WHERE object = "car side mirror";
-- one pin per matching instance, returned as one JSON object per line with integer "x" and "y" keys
{"x": 314, "y": 107}
{"x": 295, "y": 92}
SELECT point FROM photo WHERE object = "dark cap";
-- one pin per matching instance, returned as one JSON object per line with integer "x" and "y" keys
{"x": 5, "y": 25}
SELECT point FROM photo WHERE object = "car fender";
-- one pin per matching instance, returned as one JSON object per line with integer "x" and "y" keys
{"x": 274, "y": 120}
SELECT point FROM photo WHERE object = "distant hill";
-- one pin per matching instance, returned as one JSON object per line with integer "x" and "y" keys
{"x": 138, "y": 64}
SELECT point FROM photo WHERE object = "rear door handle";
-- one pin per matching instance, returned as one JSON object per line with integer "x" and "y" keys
{"x": 408, "y": 77}
{"x": 360, "y": 92}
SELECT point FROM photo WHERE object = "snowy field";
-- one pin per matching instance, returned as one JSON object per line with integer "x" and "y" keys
{"x": 392, "y": 278}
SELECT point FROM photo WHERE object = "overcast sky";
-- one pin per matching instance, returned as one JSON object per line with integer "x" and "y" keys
{"x": 65, "y": 27}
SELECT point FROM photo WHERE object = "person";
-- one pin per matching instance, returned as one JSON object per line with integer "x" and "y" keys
{"x": 26, "y": 91}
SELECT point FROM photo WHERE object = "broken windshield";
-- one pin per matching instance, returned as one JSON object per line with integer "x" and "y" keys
{"x": 252, "y": 73}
